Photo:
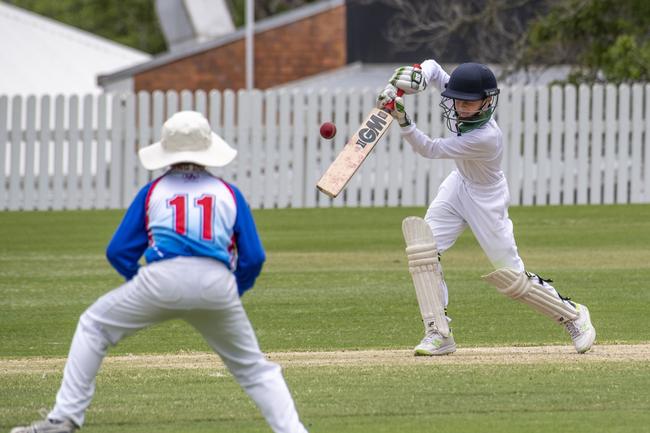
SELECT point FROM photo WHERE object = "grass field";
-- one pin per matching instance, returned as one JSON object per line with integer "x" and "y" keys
{"x": 336, "y": 280}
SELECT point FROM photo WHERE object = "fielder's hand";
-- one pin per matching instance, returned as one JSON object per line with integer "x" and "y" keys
{"x": 386, "y": 96}
{"x": 409, "y": 78}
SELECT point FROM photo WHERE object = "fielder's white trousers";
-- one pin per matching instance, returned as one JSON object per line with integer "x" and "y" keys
{"x": 201, "y": 291}
{"x": 484, "y": 209}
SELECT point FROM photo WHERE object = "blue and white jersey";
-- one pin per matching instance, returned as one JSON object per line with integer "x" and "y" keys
{"x": 189, "y": 213}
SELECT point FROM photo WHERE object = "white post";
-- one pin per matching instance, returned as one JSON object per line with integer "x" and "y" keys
{"x": 250, "y": 42}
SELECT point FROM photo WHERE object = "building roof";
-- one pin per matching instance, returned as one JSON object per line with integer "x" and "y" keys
{"x": 374, "y": 76}
{"x": 43, "y": 56}
{"x": 264, "y": 25}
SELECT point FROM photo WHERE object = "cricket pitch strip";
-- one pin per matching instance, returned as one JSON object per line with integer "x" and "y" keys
{"x": 509, "y": 355}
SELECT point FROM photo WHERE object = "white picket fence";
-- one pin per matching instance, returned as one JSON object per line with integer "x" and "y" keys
{"x": 565, "y": 145}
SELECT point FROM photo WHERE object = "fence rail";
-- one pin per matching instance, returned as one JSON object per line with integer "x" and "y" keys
{"x": 564, "y": 145}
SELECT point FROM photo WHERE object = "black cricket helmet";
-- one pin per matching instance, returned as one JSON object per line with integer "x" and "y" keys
{"x": 469, "y": 82}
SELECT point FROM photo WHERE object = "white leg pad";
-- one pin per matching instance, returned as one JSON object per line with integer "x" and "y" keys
{"x": 424, "y": 267}
{"x": 526, "y": 288}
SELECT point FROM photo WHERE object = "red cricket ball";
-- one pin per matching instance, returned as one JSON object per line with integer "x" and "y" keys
{"x": 328, "y": 130}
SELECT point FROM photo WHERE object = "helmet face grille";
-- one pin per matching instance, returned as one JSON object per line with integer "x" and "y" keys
{"x": 459, "y": 125}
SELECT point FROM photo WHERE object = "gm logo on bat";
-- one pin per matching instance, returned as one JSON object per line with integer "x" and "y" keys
{"x": 372, "y": 129}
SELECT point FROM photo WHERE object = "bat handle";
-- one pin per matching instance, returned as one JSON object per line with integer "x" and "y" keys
{"x": 391, "y": 105}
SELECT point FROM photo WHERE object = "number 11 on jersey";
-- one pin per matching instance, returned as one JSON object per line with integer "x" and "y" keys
{"x": 204, "y": 203}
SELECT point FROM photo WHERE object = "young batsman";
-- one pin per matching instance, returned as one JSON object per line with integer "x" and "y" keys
{"x": 475, "y": 194}
{"x": 202, "y": 249}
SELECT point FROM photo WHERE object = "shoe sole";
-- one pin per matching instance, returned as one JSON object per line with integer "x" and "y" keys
{"x": 443, "y": 351}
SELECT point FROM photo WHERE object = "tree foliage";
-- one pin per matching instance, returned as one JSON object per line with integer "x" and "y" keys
{"x": 133, "y": 23}
{"x": 485, "y": 31}
{"x": 604, "y": 40}
{"x": 263, "y": 8}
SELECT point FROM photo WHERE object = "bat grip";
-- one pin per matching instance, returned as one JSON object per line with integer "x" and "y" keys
{"x": 391, "y": 105}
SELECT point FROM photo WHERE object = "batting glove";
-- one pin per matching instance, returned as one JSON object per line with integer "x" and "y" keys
{"x": 410, "y": 79}
{"x": 399, "y": 113}
{"x": 386, "y": 96}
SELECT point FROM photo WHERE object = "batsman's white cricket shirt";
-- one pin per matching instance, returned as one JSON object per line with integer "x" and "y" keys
{"x": 477, "y": 153}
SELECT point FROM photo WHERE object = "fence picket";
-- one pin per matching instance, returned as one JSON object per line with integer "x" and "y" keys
{"x": 610, "y": 144}
{"x": 271, "y": 152}
{"x": 100, "y": 180}
{"x": 646, "y": 161}
{"x": 158, "y": 111}
{"x": 129, "y": 151}
{"x": 584, "y": 97}
{"x": 4, "y": 111}
{"x": 542, "y": 181}
{"x": 597, "y": 125}
{"x": 43, "y": 190}
{"x": 72, "y": 187}
{"x": 229, "y": 172}
{"x": 144, "y": 136}
{"x": 29, "y": 199}
{"x": 514, "y": 171}
{"x": 568, "y": 190}
{"x": 556, "y": 144}
{"x": 16, "y": 145}
{"x": 529, "y": 145}
{"x": 59, "y": 136}
{"x": 284, "y": 158}
{"x": 623, "y": 154}
{"x": 312, "y": 170}
{"x": 636, "y": 144}
{"x": 186, "y": 100}
{"x": 256, "y": 188}
{"x": 201, "y": 102}
{"x": 298, "y": 162}
{"x": 171, "y": 103}
{"x": 87, "y": 147}
{"x": 243, "y": 141}
{"x": 115, "y": 183}
{"x": 214, "y": 112}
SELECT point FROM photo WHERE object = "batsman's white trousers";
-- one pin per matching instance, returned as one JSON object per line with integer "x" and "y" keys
{"x": 484, "y": 209}
{"x": 202, "y": 292}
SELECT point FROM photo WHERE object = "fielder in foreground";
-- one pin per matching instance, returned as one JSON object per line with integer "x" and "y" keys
{"x": 199, "y": 239}
{"x": 475, "y": 194}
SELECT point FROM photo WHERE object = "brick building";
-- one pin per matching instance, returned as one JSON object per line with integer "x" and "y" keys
{"x": 287, "y": 47}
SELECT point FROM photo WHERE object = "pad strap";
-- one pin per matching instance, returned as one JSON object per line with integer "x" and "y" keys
{"x": 532, "y": 290}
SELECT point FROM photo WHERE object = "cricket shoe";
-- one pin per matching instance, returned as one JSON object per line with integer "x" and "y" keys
{"x": 434, "y": 344}
{"x": 581, "y": 330}
{"x": 47, "y": 426}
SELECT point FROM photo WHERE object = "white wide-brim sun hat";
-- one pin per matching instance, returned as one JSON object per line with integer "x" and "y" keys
{"x": 187, "y": 137}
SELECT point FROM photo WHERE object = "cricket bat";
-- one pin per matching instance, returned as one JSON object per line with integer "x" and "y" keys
{"x": 355, "y": 151}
